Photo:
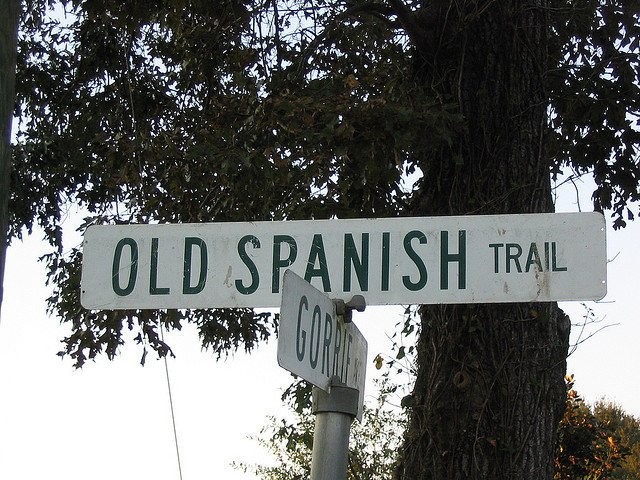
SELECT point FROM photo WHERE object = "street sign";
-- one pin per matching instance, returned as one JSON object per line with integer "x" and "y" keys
{"x": 465, "y": 259}
{"x": 314, "y": 342}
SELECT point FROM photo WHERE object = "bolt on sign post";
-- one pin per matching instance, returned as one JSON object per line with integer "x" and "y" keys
{"x": 319, "y": 346}
{"x": 466, "y": 259}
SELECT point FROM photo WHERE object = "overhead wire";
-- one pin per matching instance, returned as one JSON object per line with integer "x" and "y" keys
{"x": 173, "y": 416}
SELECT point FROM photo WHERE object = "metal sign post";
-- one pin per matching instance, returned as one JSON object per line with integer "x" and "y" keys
{"x": 318, "y": 342}
{"x": 334, "y": 413}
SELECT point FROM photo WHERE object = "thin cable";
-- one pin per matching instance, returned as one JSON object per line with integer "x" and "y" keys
{"x": 173, "y": 417}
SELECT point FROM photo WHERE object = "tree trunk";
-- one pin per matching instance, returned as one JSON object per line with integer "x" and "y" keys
{"x": 490, "y": 385}
{"x": 8, "y": 42}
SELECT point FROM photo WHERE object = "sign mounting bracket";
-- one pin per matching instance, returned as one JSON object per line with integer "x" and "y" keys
{"x": 345, "y": 309}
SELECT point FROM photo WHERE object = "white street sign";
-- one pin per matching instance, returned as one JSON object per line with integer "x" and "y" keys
{"x": 314, "y": 343}
{"x": 466, "y": 259}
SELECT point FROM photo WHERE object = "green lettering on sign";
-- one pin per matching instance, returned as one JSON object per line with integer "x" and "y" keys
{"x": 417, "y": 260}
{"x": 317, "y": 255}
{"x": 326, "y": 344}
{"x": 554, "y": 259}
{"x": 385, "y": 261}
{"x": 460, "y": 258}
{"x": 316, "y": 321}
{"x": 496, "y": 251}
{"x": 513, "y": 255}
{"x": 189, "y": 244}
{"x": 278, "y": 261}
{"x": 301, "y": 335}
{"x": 336, "y": 349}
{"x": 133, "y": 267}
{"x": 533, "y": 258}
{"x": 360, "y": 263}
{"x": 251, "y": 266}
{"x": 153, "y": 273}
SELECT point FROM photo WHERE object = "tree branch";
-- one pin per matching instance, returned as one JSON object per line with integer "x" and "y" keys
{"x": 374, "y": 9}
{"x": 407, "y": 19}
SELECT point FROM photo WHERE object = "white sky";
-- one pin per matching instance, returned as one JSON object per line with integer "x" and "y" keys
{"x": 112, "y": 419}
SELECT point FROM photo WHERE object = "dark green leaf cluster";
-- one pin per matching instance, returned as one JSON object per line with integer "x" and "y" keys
{"x": 373, "y": 444}
{"x": 594, "y": 442}
{"x": 595, "y": 99}
{"x": 95, "y": 332}
{"x": 195, "y": 111}
{"x": 597, "y": 442}
{"x": 191, "y": 111}
{"x": 626, "y": 428}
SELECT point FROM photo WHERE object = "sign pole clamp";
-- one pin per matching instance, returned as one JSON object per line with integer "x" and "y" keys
{"x": 345, "y": 309}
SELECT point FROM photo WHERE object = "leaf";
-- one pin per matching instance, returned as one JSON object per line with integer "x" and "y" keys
{"x": 378, "y": 361}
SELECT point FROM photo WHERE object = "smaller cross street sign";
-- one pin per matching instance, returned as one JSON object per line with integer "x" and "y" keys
{"x": 314, "y": 343}
{"x": 466, "y": 259}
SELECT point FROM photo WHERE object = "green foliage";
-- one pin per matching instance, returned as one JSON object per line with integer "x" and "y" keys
{"x": 595, "y": 99}
{"x": 373, "y": 445}
{"x": 200, "y": 111}
{"x": 194, "y": 111}
{"x": 626, "y": 427}
{"x": 127, "y": 112}
{"x": 290, "y": 444}
{"x": 596, "y": 443}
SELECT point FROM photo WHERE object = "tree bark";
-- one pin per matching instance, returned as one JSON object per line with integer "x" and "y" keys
{"x": 490, "y": 385}
{"x": 8, "y": 47}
